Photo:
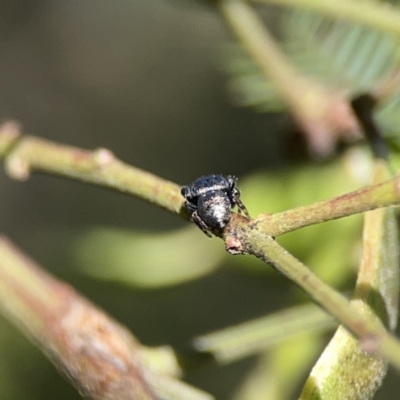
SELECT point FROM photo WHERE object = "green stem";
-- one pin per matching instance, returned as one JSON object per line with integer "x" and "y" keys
{"x": 22, "y": 154}
{"x": 371, "y": 197}
{"x": 372, "y": 335}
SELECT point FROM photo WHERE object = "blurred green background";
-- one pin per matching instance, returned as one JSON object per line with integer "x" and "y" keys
{"x": 144, "y": 79}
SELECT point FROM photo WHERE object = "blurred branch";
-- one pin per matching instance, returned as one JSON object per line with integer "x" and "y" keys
{"x": 25, "y": 153}
{"x": 99, "y": 357}
{"x": 377, "y": 15}
{"x": 323, "y": 115}
{"x": 363, "y": 106}
{"x": 251, "y": 337}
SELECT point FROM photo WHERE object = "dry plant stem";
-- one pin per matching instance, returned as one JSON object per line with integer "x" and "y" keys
{"x": 70, "y": 329}
{"x": 371, "y": 334}
{"x": 379, "y": 16}
{"x": 99, "y": 356}
{"x": 321, "y": 114}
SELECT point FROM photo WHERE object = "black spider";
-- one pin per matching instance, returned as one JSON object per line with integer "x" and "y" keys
{"x": 210, "y": 200}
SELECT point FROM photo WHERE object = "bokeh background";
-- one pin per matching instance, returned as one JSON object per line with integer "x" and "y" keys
{"x": 144, "y": 79}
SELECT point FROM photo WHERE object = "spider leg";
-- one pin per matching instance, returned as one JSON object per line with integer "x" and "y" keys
{"x": 241, "y": 207}
{"x": 236, "y": 201}
{"x": 200, "y": 223}
{"x": 190, "y": 206}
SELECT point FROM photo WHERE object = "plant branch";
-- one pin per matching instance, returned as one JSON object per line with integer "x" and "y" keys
{"x": 99, "y": 357}
{"x": 23, "y": 154}
{"x": 372, "y": 335}
{"x": 242, "y": 235}
{"x": 323, "y": 115}
{"x": 368, "y": 198}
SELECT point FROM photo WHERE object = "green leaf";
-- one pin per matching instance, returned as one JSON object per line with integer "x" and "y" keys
{"x": 147, "y": 260}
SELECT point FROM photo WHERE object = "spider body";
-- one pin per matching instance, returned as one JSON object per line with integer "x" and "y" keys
{"x": 210, "y": 200}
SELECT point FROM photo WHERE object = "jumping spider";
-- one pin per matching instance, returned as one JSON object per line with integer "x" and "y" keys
{"x": 210, "y": 200}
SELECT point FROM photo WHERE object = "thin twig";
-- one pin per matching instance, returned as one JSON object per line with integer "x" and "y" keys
{"x": 22, "y": 154}
{"x": 25, "y": 154}
{"x": 371, "y": 334}
{"x": 323, "y": 115}
{"x": 368, "y": 198}
{"x": 344, "y": 367}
